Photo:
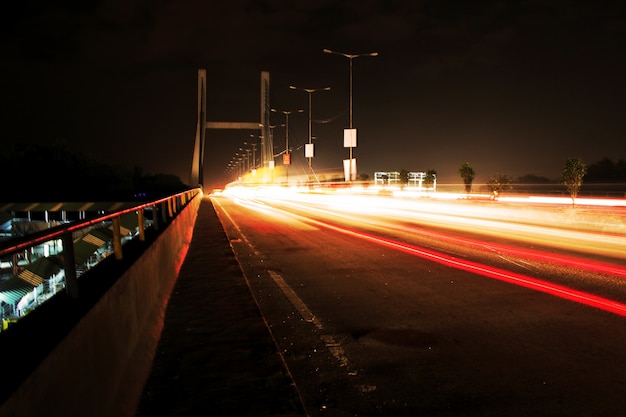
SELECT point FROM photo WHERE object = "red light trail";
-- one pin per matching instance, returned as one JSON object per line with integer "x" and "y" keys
{"x": 491, "y": 272}
{"x": 538, "y": 255}
{"x": 503, "y": 275}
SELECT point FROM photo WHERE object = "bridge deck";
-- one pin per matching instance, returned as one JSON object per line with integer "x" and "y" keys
{"x": 216, "y": 354}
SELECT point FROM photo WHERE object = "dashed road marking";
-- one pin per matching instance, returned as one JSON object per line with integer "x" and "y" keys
{"x": 329, "y": 341}
{"x": 295, "y": 300}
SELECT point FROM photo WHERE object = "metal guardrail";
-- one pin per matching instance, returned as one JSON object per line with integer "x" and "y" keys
{"x": 163, "y": 210}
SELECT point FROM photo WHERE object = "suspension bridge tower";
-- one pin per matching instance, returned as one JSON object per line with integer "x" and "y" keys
{"x": 267, "y": 155}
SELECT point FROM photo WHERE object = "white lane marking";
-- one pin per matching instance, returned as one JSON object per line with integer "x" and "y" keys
{"x": 295, "y": 300}
{"x": 329, "y": 341}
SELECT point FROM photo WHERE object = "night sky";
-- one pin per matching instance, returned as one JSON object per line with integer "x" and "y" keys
{"x": 514, "y": 87}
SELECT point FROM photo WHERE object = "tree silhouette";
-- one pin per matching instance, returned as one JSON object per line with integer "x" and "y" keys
{"x": 404, "y": 177}
{"x": 606, "y": 171}
{"x": 498, "y": 184}
{"x": 572, "y": 176}
{"x": 40, "y": 172}
{"x": 429, "y": 179}
{"x": 468, "y": 174}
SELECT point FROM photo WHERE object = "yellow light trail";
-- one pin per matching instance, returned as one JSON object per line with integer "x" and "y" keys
{"x": 390, "y": 213}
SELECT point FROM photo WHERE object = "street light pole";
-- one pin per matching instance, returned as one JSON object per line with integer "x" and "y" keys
{"x": 287, "y": 113}
{"x": 254, "y": 156}
{"x": 350, "y": 57}
{"x": 254, "y": 165}
{"x": 310, "y": 92}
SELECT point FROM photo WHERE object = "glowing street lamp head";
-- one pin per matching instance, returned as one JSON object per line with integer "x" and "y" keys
{"x": 350, "y": 56}
{"x": 287, "y": 112}
{"x": 309, "y": 90}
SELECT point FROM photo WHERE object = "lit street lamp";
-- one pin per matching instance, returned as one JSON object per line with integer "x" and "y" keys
{"x": 244, "y": 159}
{"x": 239, "y": 167}
{"x": 352, "y": 134}
{"x": 254, "y": 165}
{"x": 310, "y": 91}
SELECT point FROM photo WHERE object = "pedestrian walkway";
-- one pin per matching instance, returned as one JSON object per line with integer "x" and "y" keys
{"x": 216, "y": 355}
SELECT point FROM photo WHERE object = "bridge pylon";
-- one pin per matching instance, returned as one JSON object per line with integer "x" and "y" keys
{"x": 267, "y": 156}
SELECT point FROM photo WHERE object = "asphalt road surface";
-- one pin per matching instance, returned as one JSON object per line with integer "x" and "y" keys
{"x": 419, "y": 307}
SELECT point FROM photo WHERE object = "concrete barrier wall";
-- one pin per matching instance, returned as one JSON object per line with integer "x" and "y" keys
{"x": 100, "y": 368}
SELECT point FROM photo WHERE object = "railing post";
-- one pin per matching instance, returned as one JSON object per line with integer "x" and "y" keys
{"x": 117, "y": 239}
{"x": 140, "y": 225}
{"x": 69, "y": 265}
{"x": 163, "y": 213}
{"x": 155, "y": 217}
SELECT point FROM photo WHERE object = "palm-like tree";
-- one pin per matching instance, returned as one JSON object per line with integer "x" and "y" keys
{"x": 468, "y": 174}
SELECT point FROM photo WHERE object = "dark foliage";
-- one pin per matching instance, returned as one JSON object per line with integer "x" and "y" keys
{"x": 33, "y": 172}
{"x": 532, "y": 179}
{"x": 607, "y": 171}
